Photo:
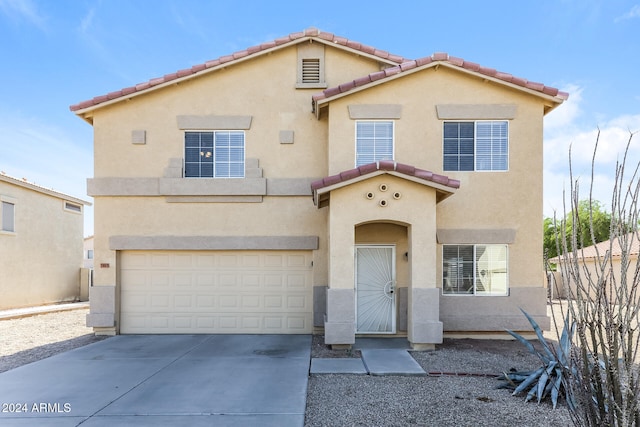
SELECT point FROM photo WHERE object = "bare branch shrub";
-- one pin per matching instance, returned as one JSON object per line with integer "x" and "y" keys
{"x": 603, "y": 289}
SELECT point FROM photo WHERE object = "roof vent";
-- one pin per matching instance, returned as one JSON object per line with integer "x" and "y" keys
{"x": 311, "y": 70}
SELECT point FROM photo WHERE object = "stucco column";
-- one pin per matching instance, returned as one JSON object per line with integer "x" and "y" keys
{"x": 102, "y": 295}
{"x": 424, "y": 326}
{"x": 339, "y": 326}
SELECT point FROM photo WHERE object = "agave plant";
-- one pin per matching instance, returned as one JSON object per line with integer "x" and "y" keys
{"x": 548, "y": 379}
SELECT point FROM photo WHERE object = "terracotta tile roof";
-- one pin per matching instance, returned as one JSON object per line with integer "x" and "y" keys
{"x": 440, "y": 58}
{"x": 226, "y": 59}
{"x": 361, "y": 172}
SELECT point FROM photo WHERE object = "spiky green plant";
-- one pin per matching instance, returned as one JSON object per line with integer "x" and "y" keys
{"x": 547, "y": 380}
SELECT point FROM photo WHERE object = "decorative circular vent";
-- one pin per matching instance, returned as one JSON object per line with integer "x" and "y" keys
{"x": 383, "y": 203}
{"x": 370, "y": 195}
{"x": 397, "y": 195}
{"x": 383, "y": 187}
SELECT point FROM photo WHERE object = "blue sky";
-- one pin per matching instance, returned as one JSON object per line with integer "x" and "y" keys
{"x": 55, "y": 53}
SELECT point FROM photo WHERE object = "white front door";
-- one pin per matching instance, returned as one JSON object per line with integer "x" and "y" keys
{"x": 375, "y": 289}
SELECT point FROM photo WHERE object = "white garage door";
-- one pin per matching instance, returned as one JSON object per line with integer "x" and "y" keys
{"x": 215, "y": 292}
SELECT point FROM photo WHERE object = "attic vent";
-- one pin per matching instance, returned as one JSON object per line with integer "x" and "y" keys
{"x": 311, "y": 70}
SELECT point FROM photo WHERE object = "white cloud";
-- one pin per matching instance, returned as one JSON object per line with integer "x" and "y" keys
{"x": 23, "y": 10}
{"x": 631, "y": 14}
{"x": 563, "y": 132}
{"x": 87, "y": 21}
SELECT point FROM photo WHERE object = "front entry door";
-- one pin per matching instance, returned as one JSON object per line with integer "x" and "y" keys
{"x": 375, "y": 289}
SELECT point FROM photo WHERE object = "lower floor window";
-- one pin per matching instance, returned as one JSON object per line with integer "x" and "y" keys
{"x": 475, "y": 269}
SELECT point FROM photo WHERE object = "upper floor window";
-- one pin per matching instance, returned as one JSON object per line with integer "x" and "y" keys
{"x": 374, "y": 141}
{"x": 72, "y": 207}
{"x": 7, "y": 213}
{"x": 474, "y": 269}
{"x": 216, "y": 154}
{"x": 479, "y": 146}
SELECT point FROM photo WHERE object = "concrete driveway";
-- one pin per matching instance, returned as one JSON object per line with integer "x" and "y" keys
{"x": 164, "y": 380}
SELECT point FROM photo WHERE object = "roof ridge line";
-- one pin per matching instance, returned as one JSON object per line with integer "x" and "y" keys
{"x": 235, "y": 56}
{"x": 441, "y": 57}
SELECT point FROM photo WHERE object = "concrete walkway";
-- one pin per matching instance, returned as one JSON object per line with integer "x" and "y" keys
{"x": 164, "y": 380}
{"x": 380, "y": 356}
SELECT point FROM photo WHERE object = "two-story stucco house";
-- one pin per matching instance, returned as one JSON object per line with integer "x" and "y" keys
{"x": 40, "y": 244}
{"x": 314, "y": 182}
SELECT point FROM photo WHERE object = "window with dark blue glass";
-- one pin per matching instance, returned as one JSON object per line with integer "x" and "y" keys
{"x": 217, "y": 154}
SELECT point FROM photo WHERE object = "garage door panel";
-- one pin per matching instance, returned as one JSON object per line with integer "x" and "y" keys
{"x": 216, "y": 292}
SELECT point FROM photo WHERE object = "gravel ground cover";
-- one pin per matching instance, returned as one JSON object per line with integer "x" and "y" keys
{"x": 28, "y": 339}
{"x": 350, "y": 400}
{"x": 468, "y": 399}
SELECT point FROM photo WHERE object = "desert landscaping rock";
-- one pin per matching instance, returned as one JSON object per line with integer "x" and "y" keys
{"x": 29, "y": 339}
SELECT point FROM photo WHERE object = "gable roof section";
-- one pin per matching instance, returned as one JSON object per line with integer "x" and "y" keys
{"x": 439, "y": 59}
{"x": 35, "y": 187}
{"x": 321, "y": 188}
{"x": 236, "y": 57}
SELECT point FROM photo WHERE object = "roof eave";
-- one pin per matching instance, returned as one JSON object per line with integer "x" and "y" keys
{"x": 550, "y": 101}
{"x": 43, "y": 190}
{"x": 319, "y": 201}
{"x": 118, "y": 96}
{"x": 82, "y": 112}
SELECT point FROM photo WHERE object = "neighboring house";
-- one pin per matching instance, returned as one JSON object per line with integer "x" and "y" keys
{"x": 589, "y": 262}
{"x": 315, "y": 183}
{"x": 40, "y": 244}
{"x": 87, "y": 261}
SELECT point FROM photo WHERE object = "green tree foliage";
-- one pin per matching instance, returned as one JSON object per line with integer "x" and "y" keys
{"x": 591, "y": 217}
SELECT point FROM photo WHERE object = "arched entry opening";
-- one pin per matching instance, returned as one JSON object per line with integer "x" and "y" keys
{"x": 381, "y": 278}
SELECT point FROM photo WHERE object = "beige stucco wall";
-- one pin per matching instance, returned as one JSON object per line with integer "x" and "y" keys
{"x": 486, "y": 200}
{"x": 510, "y": 200}
{"x": 244, "y": 89}
{"x": 350, "y": 207}
{"x": 565, "y": 283}
{"x": 39, "y": 263}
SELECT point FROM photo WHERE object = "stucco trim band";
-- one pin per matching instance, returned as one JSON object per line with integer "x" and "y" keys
{"x": 480, "y": 236}
{"x": 212, "y": 186}
{"x": 375, "y": 111}
{"x": 199, "y": 187}
{"x": 213, "y": 243}
{"x": 214, "y": 122}
{"x": 476, "y": 111}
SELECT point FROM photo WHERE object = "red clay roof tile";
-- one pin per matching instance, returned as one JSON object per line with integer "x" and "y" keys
{"x": 384, "y": 165}
{"x": 350, "y": 174}
{"x": 458, "y": 62}
{"x": 309, "y": 32}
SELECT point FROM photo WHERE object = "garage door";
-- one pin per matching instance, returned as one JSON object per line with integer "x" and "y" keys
{"x": 215, "y": 292}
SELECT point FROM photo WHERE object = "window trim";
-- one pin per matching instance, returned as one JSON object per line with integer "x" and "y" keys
{"x": 12, "y": 201}
{"x": 214, "y": 131}
{"x": 393, "y": 138}
{"x": 475, "y": 144}
{"x": 475, "y": 292}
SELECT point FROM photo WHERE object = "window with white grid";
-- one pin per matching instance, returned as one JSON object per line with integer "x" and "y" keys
{"x": 475, "y": 270}
{"x": 374, "y": 141}
{"x": 479, "y": 146}
{"x": 217, "y": 154}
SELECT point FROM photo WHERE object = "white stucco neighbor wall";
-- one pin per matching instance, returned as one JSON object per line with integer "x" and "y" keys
{"x": 40, "y": 261}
